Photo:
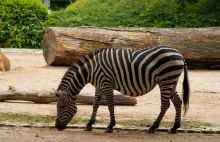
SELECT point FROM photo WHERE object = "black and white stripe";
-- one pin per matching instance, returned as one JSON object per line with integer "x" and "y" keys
{"x": 133, "y": 72}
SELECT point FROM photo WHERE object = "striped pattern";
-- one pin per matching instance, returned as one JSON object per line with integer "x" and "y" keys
{"x": 133, "y": 72}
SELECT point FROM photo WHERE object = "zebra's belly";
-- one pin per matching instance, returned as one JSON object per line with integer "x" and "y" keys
{"x": 135, "y": 92}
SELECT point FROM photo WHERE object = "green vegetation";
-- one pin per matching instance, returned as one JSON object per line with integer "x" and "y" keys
{"x": 138, "y": 13}
{"x": 22, "y": 23}
{"x": 166, "y": 124}
{"x": 25, "y": 118}
{"x": 28, "y": 118}
{"x": 59, "y": 4}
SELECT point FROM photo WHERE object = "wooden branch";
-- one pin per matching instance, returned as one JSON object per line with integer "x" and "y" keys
{"x": 28, "y": 95}
{"x": 199, "y": 46}
{"x": 48, "y": 96}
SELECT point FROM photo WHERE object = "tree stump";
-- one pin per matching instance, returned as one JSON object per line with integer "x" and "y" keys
{"x": 199, "y": 46}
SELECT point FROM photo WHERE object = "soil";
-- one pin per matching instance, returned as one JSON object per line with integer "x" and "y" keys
{"x": 29, "y": 71}
{"x": 78, "y": 135}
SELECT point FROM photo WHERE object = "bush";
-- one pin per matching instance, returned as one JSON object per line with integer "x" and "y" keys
{"x": 138, "y": 13}
{"x": 21, "y": 23}
{"x": 59, "y": 4}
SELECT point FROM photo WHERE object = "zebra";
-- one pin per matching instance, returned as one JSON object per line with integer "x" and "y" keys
{"x": 133, "y": 72}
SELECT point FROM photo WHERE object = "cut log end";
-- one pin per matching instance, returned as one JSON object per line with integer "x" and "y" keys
{"x": 49, "y": 46}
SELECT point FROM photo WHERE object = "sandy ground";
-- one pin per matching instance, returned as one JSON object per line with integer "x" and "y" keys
{"x": 77, "y": 135}
{"x": 29, "y": 71}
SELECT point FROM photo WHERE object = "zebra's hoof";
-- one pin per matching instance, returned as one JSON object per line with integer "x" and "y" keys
{"x": 151, "y": 131}
{"x": 109, "y": 130}
{"x": 88, "y": 129}
{"x": 172, "y": 131}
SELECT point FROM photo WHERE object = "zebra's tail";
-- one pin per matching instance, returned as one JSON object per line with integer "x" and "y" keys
{"x": 186, "y": 90}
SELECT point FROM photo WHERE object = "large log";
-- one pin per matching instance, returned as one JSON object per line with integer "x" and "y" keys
{"x": 199, "y": 46}
{"x": 49, "y": 96}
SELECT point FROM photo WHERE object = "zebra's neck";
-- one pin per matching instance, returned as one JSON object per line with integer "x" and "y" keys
{"x": 79, "y": 74}
{"x": 72, "y": 83}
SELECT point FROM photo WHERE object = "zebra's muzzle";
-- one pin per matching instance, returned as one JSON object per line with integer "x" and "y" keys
{"x": 59, "y": 126}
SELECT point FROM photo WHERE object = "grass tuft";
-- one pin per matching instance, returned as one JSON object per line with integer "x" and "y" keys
{"x": 29, "y": 118}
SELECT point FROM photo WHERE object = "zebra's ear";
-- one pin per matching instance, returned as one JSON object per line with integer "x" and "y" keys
{"x": 57, "y": 93}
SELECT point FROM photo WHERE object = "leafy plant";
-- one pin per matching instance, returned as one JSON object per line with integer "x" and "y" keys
{"x": 56, "y": 5}
{"x": 21, "y": 23}
{"x": 138, "y": 13}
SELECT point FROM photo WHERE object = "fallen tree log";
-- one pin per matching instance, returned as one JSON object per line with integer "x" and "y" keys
{"x": 49, "y": 96}
{"x": 199, "y": 46}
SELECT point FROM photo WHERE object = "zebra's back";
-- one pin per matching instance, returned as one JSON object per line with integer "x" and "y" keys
{"x": 136, "y": 72}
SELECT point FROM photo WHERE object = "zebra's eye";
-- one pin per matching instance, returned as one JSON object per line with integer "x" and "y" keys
{"x": 62, "y": 106}
{"x": 57, "y": 93}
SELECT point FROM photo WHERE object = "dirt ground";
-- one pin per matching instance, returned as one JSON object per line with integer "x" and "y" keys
{"x": 29, "y": 71}
{"x": 78, "y": 135}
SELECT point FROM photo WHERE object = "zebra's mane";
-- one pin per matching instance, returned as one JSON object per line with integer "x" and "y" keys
{"x": 81, "y": 61}
{"x": 89, "y": 56}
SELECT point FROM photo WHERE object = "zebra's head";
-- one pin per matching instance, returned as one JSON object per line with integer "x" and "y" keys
{"x": 66, "y": 109}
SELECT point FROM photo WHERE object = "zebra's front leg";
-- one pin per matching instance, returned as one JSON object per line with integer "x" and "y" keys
{"x": 177, "y": 104}
{"x": 110, "y": 100}
{"x": 165, "y": 104}
{"x": 96, "y": 103}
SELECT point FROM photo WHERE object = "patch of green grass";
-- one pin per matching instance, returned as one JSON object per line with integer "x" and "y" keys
{"x": 23, "y": 117}
{"x": 29, "y": 118}
{"x": 196, "y": 124}
{"x": 79, "y": 120}
{"x": 166, "y": 124}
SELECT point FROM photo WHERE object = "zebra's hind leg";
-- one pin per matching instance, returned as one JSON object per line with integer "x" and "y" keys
{"x": 165, "y": 104}
{"x": 110, "y": 100}
{"x": 96, "y": 103}
{"x": 177, "y": 104}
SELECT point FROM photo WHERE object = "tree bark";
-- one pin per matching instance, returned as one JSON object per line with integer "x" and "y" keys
{"x": 48, "y": 96}
{"x": 199, "y": 46}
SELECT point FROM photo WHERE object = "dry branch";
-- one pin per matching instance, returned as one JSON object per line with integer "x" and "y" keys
{"x": 49, "y": 96}
{"x": 199, "y": 46}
